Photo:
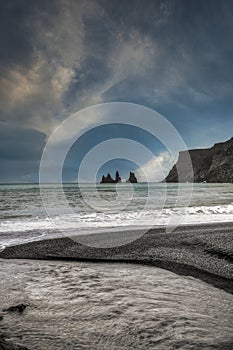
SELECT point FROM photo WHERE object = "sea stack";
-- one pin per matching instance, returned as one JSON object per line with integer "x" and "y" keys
{"x": 117, "y": 177}
{"x": 132, "y": 178}
{"x": 109, "y": 180}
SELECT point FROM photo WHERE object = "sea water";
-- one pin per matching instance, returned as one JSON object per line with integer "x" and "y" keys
{"x": 25, "y": 217}
{"x": 75, "y": 305}
{"x": 112, "y": 306}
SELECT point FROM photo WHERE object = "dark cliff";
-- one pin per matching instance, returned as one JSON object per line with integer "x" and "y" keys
{"x": 213, "y": 164}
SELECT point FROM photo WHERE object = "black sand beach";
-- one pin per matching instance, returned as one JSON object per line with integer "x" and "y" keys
{"x": 203, "y": 251}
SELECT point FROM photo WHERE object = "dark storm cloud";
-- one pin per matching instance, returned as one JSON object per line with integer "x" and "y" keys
{"x": 59, "y": 56}
{"x": 191, "y": 42}
{"x": 18, "y": 143}
{"x": 20, "y": 153}
{"x": 15, "y": 35}
{"x": 194, "y": 47}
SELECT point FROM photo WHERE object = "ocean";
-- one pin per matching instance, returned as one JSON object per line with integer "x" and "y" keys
{"x": 25, "y": 217}
{"x": 76, "y": 305}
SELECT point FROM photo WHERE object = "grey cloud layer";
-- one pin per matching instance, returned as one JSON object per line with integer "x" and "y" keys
{"x": 59, "y": 56}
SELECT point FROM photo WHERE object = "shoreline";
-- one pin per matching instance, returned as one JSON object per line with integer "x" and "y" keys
{"x": 203, "y": 251}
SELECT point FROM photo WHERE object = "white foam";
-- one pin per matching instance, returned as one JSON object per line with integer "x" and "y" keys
{"x": 200, "y": 214}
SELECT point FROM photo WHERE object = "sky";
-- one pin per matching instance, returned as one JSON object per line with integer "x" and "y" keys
{"x": 60, "y": 56}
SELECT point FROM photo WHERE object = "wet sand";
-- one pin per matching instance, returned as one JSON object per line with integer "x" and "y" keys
{"x": 200, "y": 251}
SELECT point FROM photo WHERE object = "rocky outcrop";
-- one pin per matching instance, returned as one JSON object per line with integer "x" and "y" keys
{"x": 132, "y": 178}
{"x": 109, "y": 180}
{"x": 213, "y": 164}
{"x": 117, "y": 177}
{"x": 17, "y": 308}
